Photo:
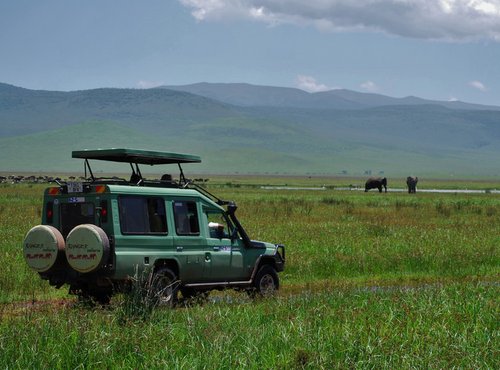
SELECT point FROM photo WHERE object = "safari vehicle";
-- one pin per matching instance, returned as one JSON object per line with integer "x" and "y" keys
{"x": 99, "y": 234}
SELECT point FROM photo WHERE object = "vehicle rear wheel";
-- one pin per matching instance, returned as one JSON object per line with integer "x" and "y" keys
{"x": 266, "y": 282}
{"x": 91, "y": 298}
{"x": 103, "y": 298}
{"x": 164, "y": 287}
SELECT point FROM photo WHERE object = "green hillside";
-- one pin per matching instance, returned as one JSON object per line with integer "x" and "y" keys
{"x": 39, "y": 129}
{"x": 27, "y": 111}
{"x": 237, "y": 151}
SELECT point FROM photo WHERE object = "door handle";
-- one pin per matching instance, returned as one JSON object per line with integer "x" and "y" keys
{"x": 216, "y": 249}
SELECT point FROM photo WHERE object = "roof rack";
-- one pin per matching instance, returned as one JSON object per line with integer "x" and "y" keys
{"x": 135, "y": 157}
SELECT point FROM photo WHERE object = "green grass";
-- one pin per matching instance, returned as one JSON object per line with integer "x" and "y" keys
{"x": 372, "y": 280}
{"x": 330, "y": 235}
{"x": 358, "y": 236}
{"x": 430, "y": 327}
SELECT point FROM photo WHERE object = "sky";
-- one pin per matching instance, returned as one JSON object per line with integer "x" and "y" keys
{"x": 433, "y": 49}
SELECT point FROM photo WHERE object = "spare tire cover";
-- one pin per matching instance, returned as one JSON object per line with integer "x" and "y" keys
{"x": 42, "y": 244}
{"x": 87, "y": 248}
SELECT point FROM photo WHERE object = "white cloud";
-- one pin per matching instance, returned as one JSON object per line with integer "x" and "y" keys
{"x": 142, "y": 84}
{"x": 477, "y": 85}
{"x": 222, "y": 9}
{"x": 426, "y": 19}
{"x": 369, "y": 86}
{"x": 310, "y": 84}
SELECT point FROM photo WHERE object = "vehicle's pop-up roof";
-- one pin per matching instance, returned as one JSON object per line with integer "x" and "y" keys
{"x": 136, "y": 156}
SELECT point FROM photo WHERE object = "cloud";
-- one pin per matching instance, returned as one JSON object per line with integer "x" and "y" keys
{"x": 142, "y": 84}
{"x": 309, "y": 84}
{"x": 424, "y": 19}
{"x": 477, "y": 85}
{"x": 369, "y": 86}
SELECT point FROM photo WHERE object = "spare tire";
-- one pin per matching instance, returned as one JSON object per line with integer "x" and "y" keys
{"x": 42, "y": 246}
{"x": 87, "y": 248}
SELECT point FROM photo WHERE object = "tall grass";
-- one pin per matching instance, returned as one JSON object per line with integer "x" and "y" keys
{"x": 20, "y": 209}
{"x": 330, "y": 235}
{"x": 454, "y": 326}
{"x": 378, "y": 236}
{"x": 372, "y": 280}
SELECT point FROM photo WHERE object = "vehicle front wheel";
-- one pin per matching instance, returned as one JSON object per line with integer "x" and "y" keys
{"x": 266, "y": 282}
{"x": 164, "y": 287}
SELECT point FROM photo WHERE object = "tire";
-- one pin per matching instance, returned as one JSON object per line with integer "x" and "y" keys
{"x": 103, "y": 298}
{"x": 164, "y": 287}
{"x": 87, "y": 248}
{"x": 43, "y": 248}
{"x": 93, "y": 299}
{"x": 266, "y": 282}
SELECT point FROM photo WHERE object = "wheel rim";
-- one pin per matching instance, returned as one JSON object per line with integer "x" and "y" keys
{"x": 267, "y": 285}
{"x": 164, "y": 291}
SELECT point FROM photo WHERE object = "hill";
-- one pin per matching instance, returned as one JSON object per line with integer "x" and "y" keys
{"x": 39, "y": 129}
{"x": 27, "y": 111}
{"x": 247, "y": 95}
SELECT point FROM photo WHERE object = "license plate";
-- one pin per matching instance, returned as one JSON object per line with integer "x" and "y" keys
{"x": 75, "y": 187}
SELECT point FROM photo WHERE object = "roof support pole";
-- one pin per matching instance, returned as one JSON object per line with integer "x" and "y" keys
{"x": 182, "y": 179}
{"x": 85, "y": 165}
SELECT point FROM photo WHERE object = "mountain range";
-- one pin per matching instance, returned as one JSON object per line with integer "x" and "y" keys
{"x": 242, "y": 128}
{"x": 247, "y": 95}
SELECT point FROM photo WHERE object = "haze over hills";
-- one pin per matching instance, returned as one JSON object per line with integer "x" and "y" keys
{"x": 248, "y": 95}
{"x": 253, "y": 129}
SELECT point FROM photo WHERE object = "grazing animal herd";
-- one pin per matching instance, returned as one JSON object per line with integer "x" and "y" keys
{"x": 381, "y": 182}
{"x": 371, "y": 183}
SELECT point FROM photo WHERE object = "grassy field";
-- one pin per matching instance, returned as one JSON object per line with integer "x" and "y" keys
{"x": 372, "y": 280}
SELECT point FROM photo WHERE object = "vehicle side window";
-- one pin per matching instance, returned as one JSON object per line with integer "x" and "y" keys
{"x": 186, "y": 218}
{"x": 218, "y": 225}
{"x": 142, "y": 215}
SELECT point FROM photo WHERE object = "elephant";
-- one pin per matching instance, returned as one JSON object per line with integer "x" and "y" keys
{"x": 411, "y": 181}
{"x": 376, "y": 183}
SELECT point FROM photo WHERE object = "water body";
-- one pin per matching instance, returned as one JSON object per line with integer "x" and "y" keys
{"x": 293, "y": 188}
{"x": 445, "y": 191}
{"x": 390, "y": 190}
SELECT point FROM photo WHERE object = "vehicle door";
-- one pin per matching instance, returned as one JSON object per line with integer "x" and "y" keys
{"x": 189, "y": 242}
{"x": 144, "y": 235}
{"x": 223, "y": 253}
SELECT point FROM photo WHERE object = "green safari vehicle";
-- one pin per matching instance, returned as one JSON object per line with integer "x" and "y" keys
{"x": 99, "y": 234}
